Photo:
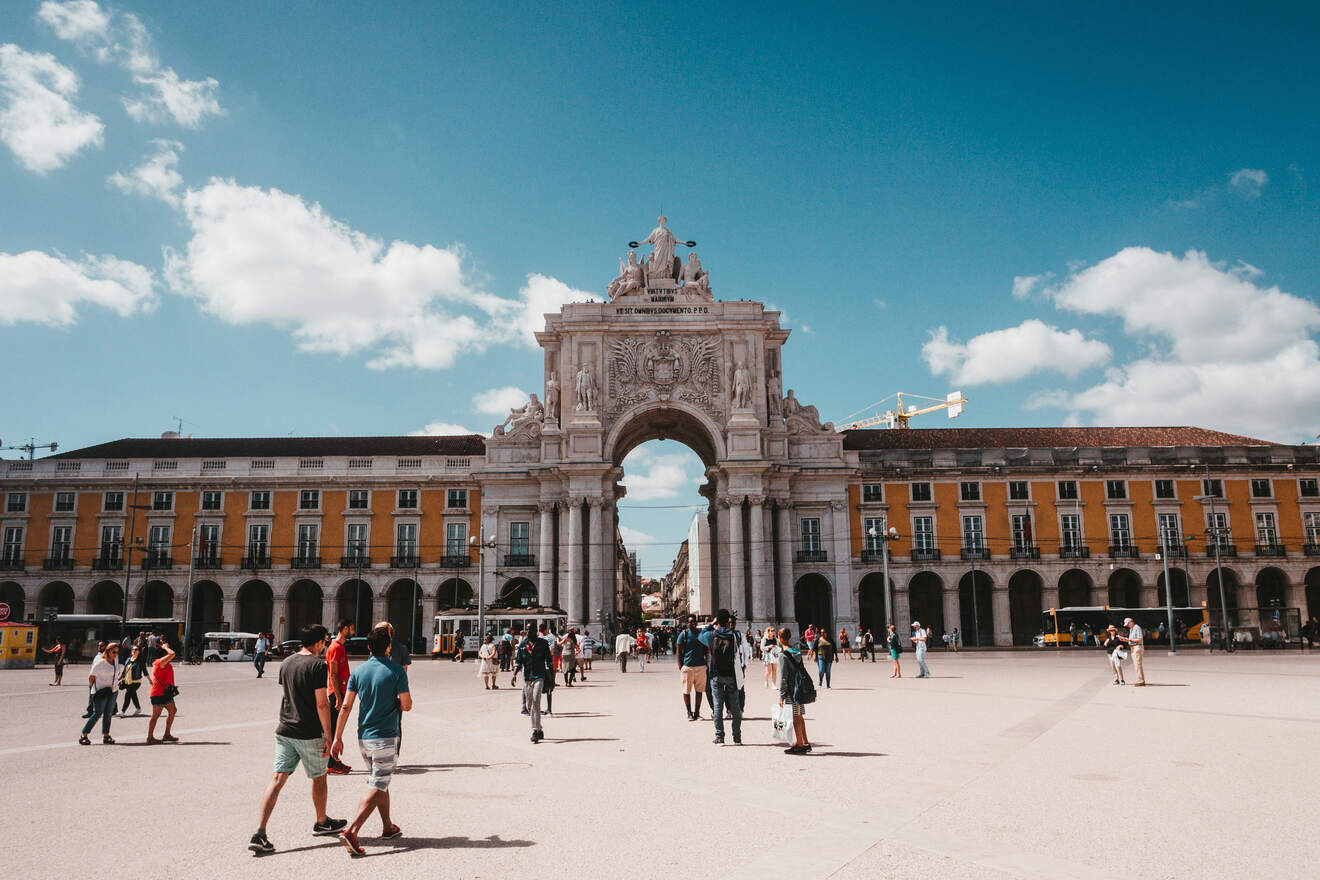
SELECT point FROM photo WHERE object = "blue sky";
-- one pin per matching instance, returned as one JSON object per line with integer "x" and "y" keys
{"x": 333, "y": 218}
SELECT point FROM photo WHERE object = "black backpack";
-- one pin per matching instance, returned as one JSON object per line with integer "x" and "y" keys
{"x": 724, "y": 655}
{"x": 804, "y": 691}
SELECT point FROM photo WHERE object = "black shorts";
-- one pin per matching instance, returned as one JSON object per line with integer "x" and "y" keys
{"x": 161, "y": 701}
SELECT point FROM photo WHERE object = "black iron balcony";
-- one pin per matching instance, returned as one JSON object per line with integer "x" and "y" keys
{"x": 873, "y": 557}
{"x": 1270, "y": 550}
{"x": 210, "y": 560}
{"x": 810, "y": 556}
{"x": 57, "y": 563}
{"x": 355, "y": 560}
{"x": 1024, "y": 552}
{"x": 975, "y": 553}
{"x": 519, "y": 560}
{"x": 157, "y": 561}
{"x": 1311, "y": 549}
{"x": 925, "y": 554}
{"x": 1074, "y": 551}
{"x": 107, "y": 562}
{"x": 455, "y": 560}
{"x": 1224, "y": 550}
{"x": 1124, "y": 551}
{"x": 304, "y": 560}
{"x": 1176, "y": 551}
{"x": 405, "y": 560}
{"x": 256, "y": 560}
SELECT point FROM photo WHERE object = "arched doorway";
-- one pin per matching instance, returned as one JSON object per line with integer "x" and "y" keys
{"x": 56, "y": 597}
{"x": 305, "y": 607}
{"x": 1271, "y": 588}
{"x": 12, "y": 595}
{"x": 871, "y": 605}
{"x": 519, "y": 593}
{"x": 926, "y": 603}
{"x": 1025, "y": 591}
{"x": 454, "y": 593}
{"x": 106, "y": 597}
{"x": 1313, "y": 592}
{"x": 1213, "y": 604}
{"x": 208, "y": 608}
{"x": 1124, "y": 588}
{"x": 256, "y": 607}
{"x": 812, "y": 603}
{"x": 977, "y": 612}
{"x": 360, "y": 592}
{"x": 1181, "y": 591}
{"x": 1074, "y": 589}
{"x": 405, "y": 610}
{"x": 157, "y": 601}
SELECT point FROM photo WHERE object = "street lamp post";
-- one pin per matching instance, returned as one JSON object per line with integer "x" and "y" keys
{"x": 1213, "y": 534}
{"x": 1168, "y": 588}
{"x": 187, "y": 605}
{"x": 481, "y": 544}
{"x": 133, "y": 508}
{"x": 884, "y": 535}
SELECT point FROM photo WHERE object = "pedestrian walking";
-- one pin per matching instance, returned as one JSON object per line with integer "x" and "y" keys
{"x": 643, "y": 648}
{"x": 380, "y": 687}
{"x": 506, "y": 651}
{"x": 824, "y": 657}
{"x": 533, "y": 660}
{"x": 868, "y": 644}
{"x": 770, "y": 656}
{"x": 61, "y": 652}
{"x": 102, "y": 678}
{"x": 795, "y": 691}
{"x": 588, "y": 647}
{"x": 302, "y": 735}
{"x": 810, "y": 635}
{"x": 623, "y": 645}
{"x": 725, "y": 675}
{"x": 135, "y": 670}
{"x": 954, "y": 638}
{"x": 163, "y": 692}
{"x": 1136, "y": 642}
{"x": 845, "y": 645}
{"x": 690, "y": 653}
{"x": 259, "y": 654}
{"x": 919, "y": 637}
{"x": 486, "y": 670}
{"x": 337, "y": 673}
{"x": 568, "y": 656}
{"x": 1115, "y": 653}
{"x": 891, "y": 642}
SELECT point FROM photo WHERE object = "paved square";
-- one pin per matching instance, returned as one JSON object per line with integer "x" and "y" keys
{"x": 1009, "y": 764}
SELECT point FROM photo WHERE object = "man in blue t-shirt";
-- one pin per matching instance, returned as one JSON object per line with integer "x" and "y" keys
{"x": 381, "y": 686}
{"x": 690, "y": 652}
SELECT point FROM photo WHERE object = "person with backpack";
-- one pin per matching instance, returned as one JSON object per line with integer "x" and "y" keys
{"x": 724, "y": 671}
{"x": 691, "y": 654}
{"x": 891, "y": 640}
{"x": 795, "y": 691}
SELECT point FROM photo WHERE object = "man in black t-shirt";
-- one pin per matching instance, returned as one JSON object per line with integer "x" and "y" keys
{"x": 302, "y": 736}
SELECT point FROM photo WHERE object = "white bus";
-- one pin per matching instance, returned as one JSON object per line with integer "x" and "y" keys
{"x": 461, "y": 623}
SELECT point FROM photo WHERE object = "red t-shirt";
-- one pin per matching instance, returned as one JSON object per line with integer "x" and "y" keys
{"x": 163, "y": 676}
{"x": 336, "y": 658}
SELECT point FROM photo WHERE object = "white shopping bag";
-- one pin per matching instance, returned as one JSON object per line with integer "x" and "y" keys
{"x": 781, "y": 720}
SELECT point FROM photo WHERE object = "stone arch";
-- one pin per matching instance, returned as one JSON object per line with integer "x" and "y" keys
{"x": 1313, "y": 592}
{"x": 256, "y": 607}
{"x": 977, "y": 608}
{"x": 666, "y": 420}
{"x": 1075, "y": 588}
{"x": 208, "y": 607}
{"x": 1026, "y": 590}
{"x": 1182, "y": 596}
{"x": 105, "y": 597}
{"x": 1124, "y": 588}
{"x": 926, "y": 603}
{"x": 355, "y": 591}
{"x": 305, "y": 606}
{"x": 1213, "y": 605}
{"x": 519, "y": 593}
{"x": 871, "y": 604}
{"x": 1271, "y": 588}
{"x": 813, "y": 602}
{"x": 56, "y": 595}
{"x": 156, "y": 601}
{"x": 454, "y": 593}
{"x": 12, "y": 595}
{"x": 404, "y": 610}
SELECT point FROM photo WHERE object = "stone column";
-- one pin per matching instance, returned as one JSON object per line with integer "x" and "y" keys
{"x": 843, "y": 586}
{"x": 953, "y": 610}
{"x": 1049, "y": 595}
{"x": 784, "y": 549}
{"x": 902, "y": 617}
{"x": 596, "y": 539}
{"x": 763, "y": 591}
{"x": 1003, "y": 618}
{"x": 572, "y": 600}
{"x": 737, "y": 597}
{"x": 545, "y": 583}
{"x": 229, "y": 603}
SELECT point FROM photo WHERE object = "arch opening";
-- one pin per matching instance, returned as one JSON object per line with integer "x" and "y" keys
{"x": 454, "y": 593}
{"x": 106, "y": 597}
{"x": 1025, "y": 599}
{"x": 208, "y": 608}
{"x": 56, "y": 597}
{"x": 256, "y": 607}
{"x": 1124, "y": 588}
{"x": 1181, "y": 588}
{"x": 404, "y": 611}
{"x": 354, "y": 605}
{"x": 871, "y": 604}
{"x": 813, "y": 603}
{"x": 157, "y": 601}
{"x": 305, "y": 606}
{"x": 1074, "y": 589}
{"x": 12, "y": 595}
{"x": 976, "y": 608}
{"x": 926, "y": 604}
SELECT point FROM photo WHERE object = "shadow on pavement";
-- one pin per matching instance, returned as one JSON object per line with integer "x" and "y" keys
{"x": 583, "y": 739}
{"x": 583, "y": 715}
{"x": 1165, "y": 684}
{"x": 408, "y": 769}
{"x": 846, "y": 754}
{"x": 186, "y": 742}
{"x": 404, "y": 844}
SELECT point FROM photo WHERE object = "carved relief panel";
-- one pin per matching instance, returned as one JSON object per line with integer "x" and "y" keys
{"x": 664, "y": 366}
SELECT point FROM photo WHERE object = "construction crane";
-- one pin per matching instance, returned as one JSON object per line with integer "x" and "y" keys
{"x": 899, "y": 416}
{"x": 31, "y": 447}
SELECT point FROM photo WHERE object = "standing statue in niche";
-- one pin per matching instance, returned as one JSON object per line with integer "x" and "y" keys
{"x": 742, "y": 387}
{"x": 632, "y": 277}
{"x": 662, "y": 263}
{"x": 586, "y": 388}
{"x": 552, "y": 398}
{"x": 695, "y": 279}
{"x": 774, "y": 396}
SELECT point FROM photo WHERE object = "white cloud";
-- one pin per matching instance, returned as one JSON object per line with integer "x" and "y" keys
{"x": 1224, "y": 351}
{"x": 1023, "y": 285}
{"x": 539, "y": 296}
{"x": 444, "y": 429}
{"x": 651, "y": 476}
{"x": 1012, "y": 353}
{"x": 634, "y": 538}
{"x": 156, "y": 177}
{"x": 1248, "y": 182}
{"x": 120, "y": 38}
{"x": 40, "y": 288}
{"x": 38, "y": 121}
{"x": 498, "y": 401}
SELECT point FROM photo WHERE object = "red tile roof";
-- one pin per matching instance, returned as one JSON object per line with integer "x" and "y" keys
{"x": 274, "y": 447}
{"x": 1038, "y": 438}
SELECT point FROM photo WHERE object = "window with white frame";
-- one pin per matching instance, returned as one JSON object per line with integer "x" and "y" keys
{"x": 456, "y": 499}
{"x": 1308, "y": 488}
{"x": 65, "y": 502}
{"x": 456, "y": 539}
{"x": 112, "y": 502}
{"x": 162, "y": 501}
{"x": 1116, "y": 490}
{"x": 356, "y": 543}
{"x": 158, "y": 543}
{"x": 1262, "y": 489}
{"x": 16, "y": 502}
{"x": 212, "y": 500}
{"x": 208, "y": 542}
{"x": 12, "y": 550}
{"x": 309, "y": 499}
{"x": 969, "y": 491}
{"x": 973, "y": 528}
{"x": 112, "y": 543}
{"x": 359, "y": 499}
{"x": 923, "y": 533}
{"x": 1021, "y": 526}
{"x": 1068, "y": 490}
{"x": 1120, "y": 531}
{"x": 259, "y": 500}
{"x": 1170, "y": 530}
{"x": 1019, "y": 490}
{"x": 258, "y": 543}
{"x": 309, "y": 540}
{"x": 1213, "y": 488}
{"x": 1267, "y": 533}
{"x": 61, "y": 543}
{"x": 873, "y": 529}
{"x": 1165, "y": 489}
{"x": 407, "y": 499}
{"x": 1311, "y": 522}
{"x": 810, "y": 534}
{"x": 405, "y": 540}
{"x": 921, "y": 492}
{"x": 873, "y": 492}
{"x": 1070, "y": 531}
{"x": 520, "y": 538}
{"x": 1217, "y": 523}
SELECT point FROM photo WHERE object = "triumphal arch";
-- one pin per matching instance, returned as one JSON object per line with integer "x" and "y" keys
{"x": 663, "y": 358}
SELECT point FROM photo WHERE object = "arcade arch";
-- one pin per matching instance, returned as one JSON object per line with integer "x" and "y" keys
{"x": 404, "y": 610}
{"x": 55, "y": 595}
{"x": 157, "y": 601}
{"x": 871, "y": 604}
{"x": 454, "y": 593}
{"x": 305, "y": 606}
{"x": 1271, "y": 588}
{"x": 976, "y": 608}
{"x": 208, "y": 607}
{"x": 1213, "y": 603}
{"x": 813, "y": 603}
{"x": 1074, "y": 589}
{"x": 256, "y": 607}
{"x": 105, "y": 597}
{"x": 1181, "y": 590}
{"x": 1025, "y": 599}
{"x": 355, "y": 592}
{"x": 518, "y": 593}
{"x": 1313, "y": 592}
{"x": 926, "y": 603}
{"x": 12, "y": 595}
{"x": 1124, "y": 588}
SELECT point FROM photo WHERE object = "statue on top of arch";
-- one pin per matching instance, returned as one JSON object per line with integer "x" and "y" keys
{"x": 662, "y": 268}
{"x": 522, "y": 420}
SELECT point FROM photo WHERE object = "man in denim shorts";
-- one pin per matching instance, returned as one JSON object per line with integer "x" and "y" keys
{"x": 380, "y": 687}
{"x": 302, "y": 736}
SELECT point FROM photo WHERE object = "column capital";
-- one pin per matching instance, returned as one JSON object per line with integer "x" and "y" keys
{"x": 598, "y": 503}
{"x": 727, "y": 501}
{"x": 756, "y": 500}
{"x": 838, "y": 505}
{"x": 574, "y": 501}
{"x": 547, "y": 506}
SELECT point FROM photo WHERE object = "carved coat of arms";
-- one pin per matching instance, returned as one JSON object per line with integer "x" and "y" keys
{"x": 664, "y": 367}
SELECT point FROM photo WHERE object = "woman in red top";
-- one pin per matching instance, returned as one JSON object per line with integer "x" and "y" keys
{"x": 59, "y": 651}
{"x": 162, "y": 693}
